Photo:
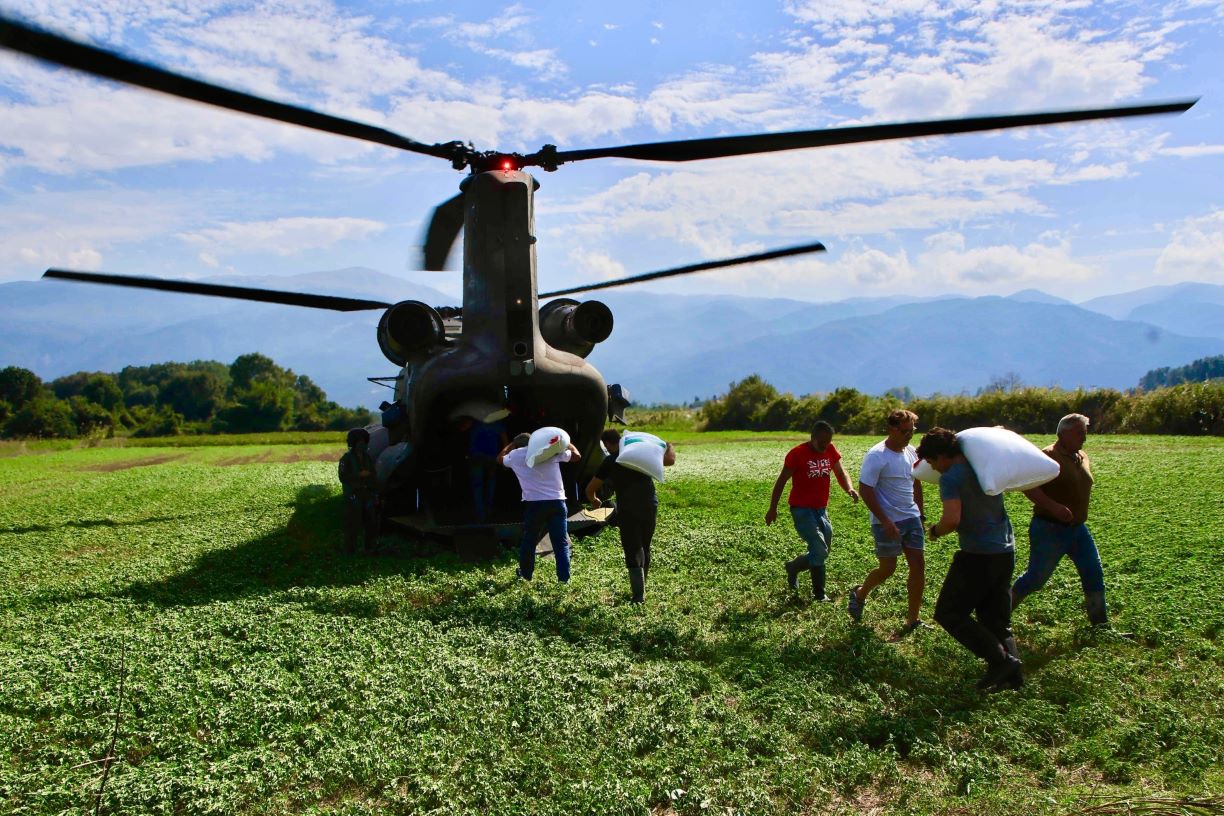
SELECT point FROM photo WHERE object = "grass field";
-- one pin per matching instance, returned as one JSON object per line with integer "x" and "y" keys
{"x": 267, "y": 673}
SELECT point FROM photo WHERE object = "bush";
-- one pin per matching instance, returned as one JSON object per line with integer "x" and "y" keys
{"x": 1193, "y": 408}
{"x": 745, "y": 401}
{"x": 42, "y": 418}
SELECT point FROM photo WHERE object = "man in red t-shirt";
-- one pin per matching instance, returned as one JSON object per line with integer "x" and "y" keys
{"x": 807, "y": 467}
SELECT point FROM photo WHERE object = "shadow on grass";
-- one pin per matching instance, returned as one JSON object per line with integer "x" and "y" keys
{"x": 741, "y": 644}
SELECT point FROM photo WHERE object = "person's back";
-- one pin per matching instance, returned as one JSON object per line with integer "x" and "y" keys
{"x": 984, "y": 524}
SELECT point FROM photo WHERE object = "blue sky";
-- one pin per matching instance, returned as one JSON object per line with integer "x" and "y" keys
{"x": 93, "y": 176}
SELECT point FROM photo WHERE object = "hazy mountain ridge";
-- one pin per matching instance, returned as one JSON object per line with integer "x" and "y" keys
{"x": 663, "y": 347}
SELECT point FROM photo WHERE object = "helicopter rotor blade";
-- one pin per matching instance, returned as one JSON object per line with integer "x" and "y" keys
{"x": 443, "y": 230}
{"x": 54, "y": 48}
{"x": 337, "y": 304}
{"x": 697, "y": 267}
{"x": 718, "y": 147}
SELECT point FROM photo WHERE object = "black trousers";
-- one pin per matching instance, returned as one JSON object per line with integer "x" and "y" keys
{"x": 978, "y": 584}
{"x": 637, "y": 528}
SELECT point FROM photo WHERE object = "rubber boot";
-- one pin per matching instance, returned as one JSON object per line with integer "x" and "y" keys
{"x": 793, "y": 567}
{"x": 818, "y": 583}
{"x": 1098, "y": 613}
{"x": 637, "y": 585}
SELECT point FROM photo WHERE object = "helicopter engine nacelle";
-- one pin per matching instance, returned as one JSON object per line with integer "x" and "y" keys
{"x": 407, "y": 328}
{"x": 575, "y": 327}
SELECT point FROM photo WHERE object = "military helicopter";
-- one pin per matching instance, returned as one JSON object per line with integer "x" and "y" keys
{"x": 501, "y": 356}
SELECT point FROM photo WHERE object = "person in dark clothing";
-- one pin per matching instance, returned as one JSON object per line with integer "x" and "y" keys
{"x": 637, "y": 507}
{"x": 979, "y": 581}
{"x": 360, "y": 485}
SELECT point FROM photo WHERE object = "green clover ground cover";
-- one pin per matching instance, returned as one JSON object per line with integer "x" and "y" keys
{"x": 268, "y": 673}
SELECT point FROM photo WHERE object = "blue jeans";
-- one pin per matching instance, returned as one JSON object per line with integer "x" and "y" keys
{"x": 1048, "y": 543}
{"x": 536, "y": 516}
{"x": 813, "y": 527}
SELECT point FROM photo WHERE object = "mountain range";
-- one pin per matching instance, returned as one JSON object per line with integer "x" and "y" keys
{"x": 664, "y": 348}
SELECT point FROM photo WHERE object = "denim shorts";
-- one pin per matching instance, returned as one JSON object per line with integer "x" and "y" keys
{"x": 913, "y": 536}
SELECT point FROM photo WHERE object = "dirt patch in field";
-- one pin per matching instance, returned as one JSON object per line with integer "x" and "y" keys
{"x": 270, "y": 456}
{"x": 149, "y": 461}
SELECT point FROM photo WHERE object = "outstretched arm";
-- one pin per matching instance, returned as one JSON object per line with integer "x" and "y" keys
{"x": 592, "y": 492}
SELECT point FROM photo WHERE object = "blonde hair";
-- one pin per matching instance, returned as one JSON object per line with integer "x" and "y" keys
{"x": 900, "y": 415}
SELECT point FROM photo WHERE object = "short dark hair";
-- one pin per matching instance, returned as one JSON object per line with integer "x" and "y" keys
{"x": 521, "y": 440}
{"x": 820, "y": 426}
{"x": 938, "y": 442}
{"x": 358, "y": 436}
{"x": 610, "y": 436}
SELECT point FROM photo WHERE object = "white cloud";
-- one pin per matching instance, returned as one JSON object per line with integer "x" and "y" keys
{"x": 282, "y": 236}
{"x": 1196, "y": 251}
{"x": 1193, "y": 151}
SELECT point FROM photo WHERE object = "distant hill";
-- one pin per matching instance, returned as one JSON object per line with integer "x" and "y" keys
{"x": 943, "y": 346}
{"x": 663, "y": 347}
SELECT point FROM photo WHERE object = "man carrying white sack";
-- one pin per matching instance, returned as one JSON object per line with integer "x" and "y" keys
{"x": 543, "y": 504}
{"x": 637, "y": 509}
{"x": 974, "y": 605}
{"x": 894, "y": 497}
{"x": 1059, "y": 526}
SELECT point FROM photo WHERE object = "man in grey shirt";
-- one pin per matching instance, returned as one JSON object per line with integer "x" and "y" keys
{"x": 974, "y": 604}
{"x": 894, "y": 497}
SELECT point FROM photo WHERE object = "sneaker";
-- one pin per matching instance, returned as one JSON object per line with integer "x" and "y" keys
{"x": 854, "y": 606}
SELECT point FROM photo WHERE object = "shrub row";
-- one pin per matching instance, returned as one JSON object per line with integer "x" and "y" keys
{"x": 1190, "y": 408}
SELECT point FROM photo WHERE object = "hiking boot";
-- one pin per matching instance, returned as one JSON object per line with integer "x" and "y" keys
{"x": 854, "y": 607}
{"x": 793, "y": 568}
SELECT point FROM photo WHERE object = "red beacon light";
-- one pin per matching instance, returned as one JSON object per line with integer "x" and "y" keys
{"x": 507, "y": 166}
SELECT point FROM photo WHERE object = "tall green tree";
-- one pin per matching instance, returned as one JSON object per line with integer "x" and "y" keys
{"x": 19, "y": 386}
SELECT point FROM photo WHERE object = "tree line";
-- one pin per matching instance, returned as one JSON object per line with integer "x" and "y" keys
{"x": 1207, "y": 368}
{"x": 1192, "y": 408}
{"x": 251, "y": 394}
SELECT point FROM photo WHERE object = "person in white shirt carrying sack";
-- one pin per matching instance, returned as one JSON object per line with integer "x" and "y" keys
{"x": 543, "y": 503}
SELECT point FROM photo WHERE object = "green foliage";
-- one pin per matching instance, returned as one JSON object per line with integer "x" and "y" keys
{"x": 252, "y": 395}
{"x": 42, "y": 418}
{"x": 753, "y": 404}
{"x": 268, "y": 673}
{"x": 742, "y": 406}
{"x": 19, "y": 386}
{"x": 1206, "y": 368}
{"x": 1191, "y": 408}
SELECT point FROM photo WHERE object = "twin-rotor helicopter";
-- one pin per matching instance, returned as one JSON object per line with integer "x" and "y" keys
{"x": 501, "y": 356}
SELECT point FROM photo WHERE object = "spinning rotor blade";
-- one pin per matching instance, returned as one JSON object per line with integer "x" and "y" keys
{"x": 443, "y": 229}
{"x": 694, "y": 149}
{"x": 62, "y": 51}
{"x": 337, "y": 304}
{"x": 698, "y": 267}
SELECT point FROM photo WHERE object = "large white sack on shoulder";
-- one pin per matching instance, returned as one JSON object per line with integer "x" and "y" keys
{"x": 642, "y": 452}
{"x": 923, "y": 472}
{"x": 546, "y": 443}
{"x": 1005, "y": 460}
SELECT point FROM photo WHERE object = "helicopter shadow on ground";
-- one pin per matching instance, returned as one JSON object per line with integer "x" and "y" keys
{"x": 308, "y": 552}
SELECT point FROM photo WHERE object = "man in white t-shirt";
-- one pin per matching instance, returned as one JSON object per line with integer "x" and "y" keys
{"x": 894, "y": 497}
{"x": 543, "y": 504}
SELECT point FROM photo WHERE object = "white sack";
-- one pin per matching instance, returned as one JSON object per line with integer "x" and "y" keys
{"x": 642, "y": 452}
{"x": 923, "y": 472}
{"x": 546, "y": 443}
{"x": 1002, "y": 459}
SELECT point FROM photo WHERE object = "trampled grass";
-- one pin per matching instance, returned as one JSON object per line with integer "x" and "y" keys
{"x": 268, "y": 673}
